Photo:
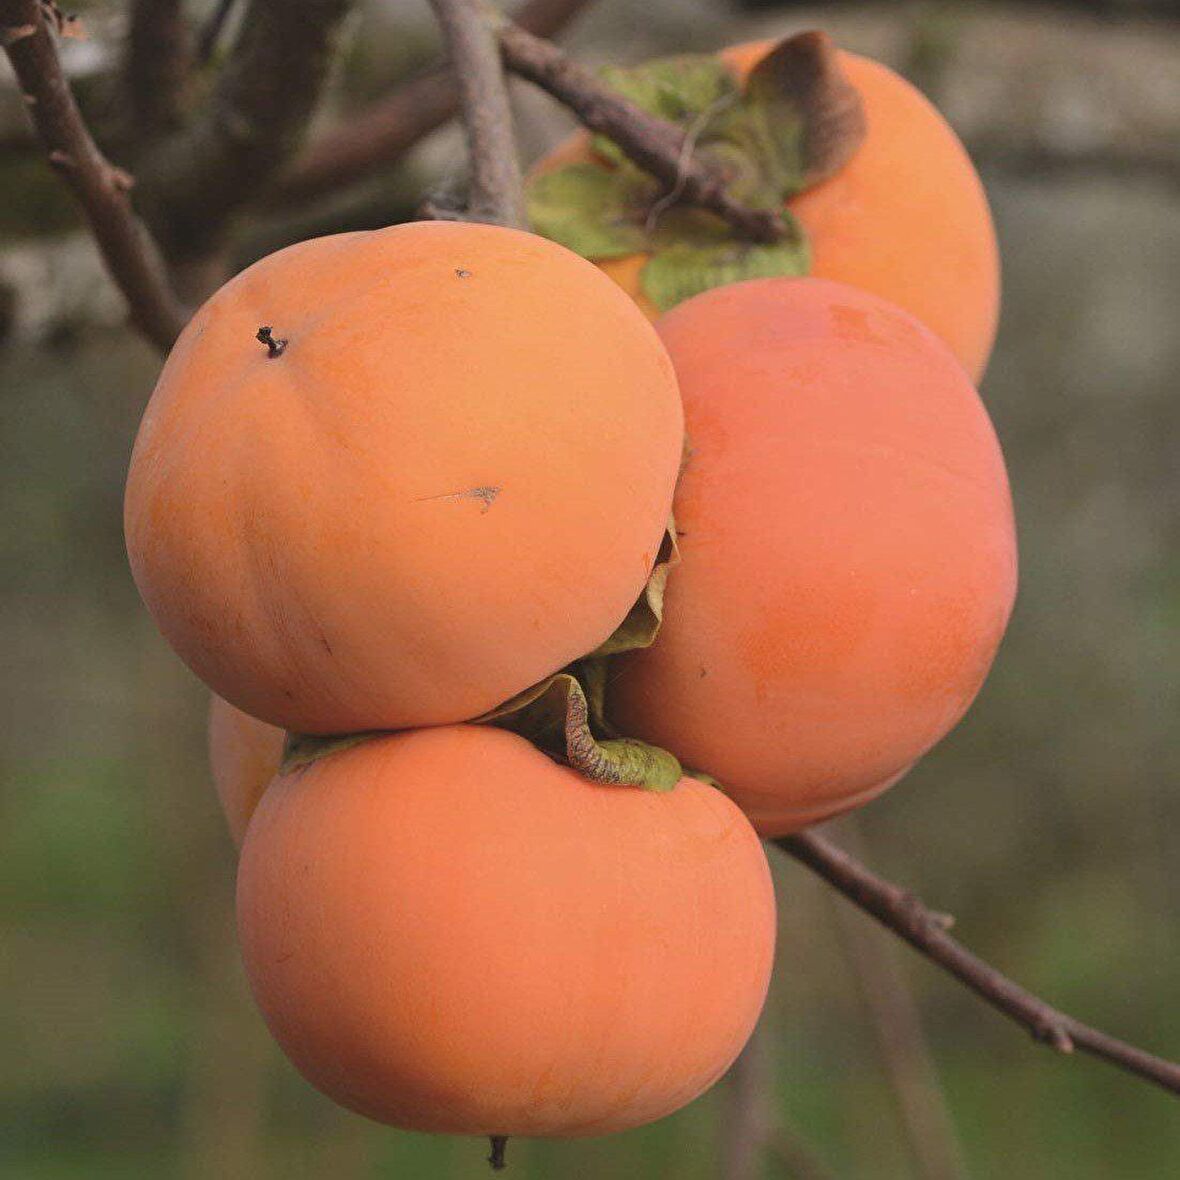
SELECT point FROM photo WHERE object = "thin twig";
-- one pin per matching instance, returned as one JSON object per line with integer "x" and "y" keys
{"x": 101, "y": 189}
{"x": 656, "y": 145}
{"x": 752, "y": 1129}
{"x": 211, "y": 31}
{"x": 258, "y": 112}
{"x": 746, "y": 1121}
{"x": 926, "y": 931}
{"x": 382, "y": 133}
{"x": 893, "y": 1013}
{"x": 497, "y": 193}
{"x": 156, "y": 67}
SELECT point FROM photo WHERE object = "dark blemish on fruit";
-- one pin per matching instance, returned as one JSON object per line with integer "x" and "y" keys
{"x": 485, "y": 494}
{"x": 461, "y": 273}
{"x": 704, "y": 672}
{"x": 265, "y": 335}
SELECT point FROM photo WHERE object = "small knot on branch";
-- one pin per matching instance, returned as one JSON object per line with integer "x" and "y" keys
{"x": 274, "y": 347}
{"x": 1052, "y": 1032}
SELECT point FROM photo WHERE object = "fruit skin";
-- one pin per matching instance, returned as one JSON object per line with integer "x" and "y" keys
{"x": 244, "y": 755}
{"x": 848, "y": 553}
{"x": 448, "y": 932}
{"x": 452, "y": 482}
{"x": 906, "y": 218}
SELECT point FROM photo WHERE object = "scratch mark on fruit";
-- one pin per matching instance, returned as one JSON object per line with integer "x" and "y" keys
{"x": 461, "y": 273}
{"x": 486, "y": 495}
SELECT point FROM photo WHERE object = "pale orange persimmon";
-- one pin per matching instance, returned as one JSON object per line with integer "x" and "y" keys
{"x": 848, "y": 553}
{"x": 906, "y": 218}
{"x": 447, "y": 931}
{"x": 244, "y": 755}
{"x": 451, "y": 480}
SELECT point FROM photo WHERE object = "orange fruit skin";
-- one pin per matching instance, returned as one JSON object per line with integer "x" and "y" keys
{"x": 452, "y": 482}
{"x": 906, "y": 218}
{"x": 244, "y": 755}
{"x": 848, "y": 550}
{"x": 448, "y": 932}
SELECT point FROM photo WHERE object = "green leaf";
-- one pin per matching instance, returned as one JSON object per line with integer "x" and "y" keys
{"x": 803, "y": 120}
{"x": 555, "y": 716}
{"x": 595, "y": 211}
{"x": 684, "y": 268}
{"x": 642, "y": 623}
{"x": 685, "y": 90}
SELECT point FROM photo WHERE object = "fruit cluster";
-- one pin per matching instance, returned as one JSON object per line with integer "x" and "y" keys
{"x": 403, "y": 500}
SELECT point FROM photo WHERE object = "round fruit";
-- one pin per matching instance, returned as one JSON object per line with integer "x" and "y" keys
{"x": 906, "y": 218}
{"x": 848, "y": 554}
{"x": 448, "y": 932}
{"x": 441, "y": 472}
{"x": 244, "y": 754}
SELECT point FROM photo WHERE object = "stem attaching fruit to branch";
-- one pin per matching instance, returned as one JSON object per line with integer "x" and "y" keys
{"x": 656, "y": 146}
{"x": 497, "y": 194}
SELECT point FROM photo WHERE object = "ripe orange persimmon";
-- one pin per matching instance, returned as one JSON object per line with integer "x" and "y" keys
{"x": 449, "y": 932}
{"x": 244, "y": 755}
{"x": 441, "y": 472}
{"x": 906, "y": 218}
{"x": 848, "y": 554}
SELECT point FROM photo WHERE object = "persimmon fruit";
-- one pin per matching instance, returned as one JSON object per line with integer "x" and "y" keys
{"x": 244, "y": 755}
{"x": 449, "y": 932}
{"x": 393, "y": 478}
{"x": 905, "y": 218}
{"x": 848, "y": 553}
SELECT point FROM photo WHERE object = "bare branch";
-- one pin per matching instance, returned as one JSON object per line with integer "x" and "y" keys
{"x": 926, "y": 931}
{"x": 156, "y": 67}
{"x": 747, "y": 1121}
{"x": 101, "y": 189}
{"x": 378, "y": 135}
{"x": 497, "y": 193}
{"x": 211, "y": 31}
{"x": 263, "y": 99}
{"x": 752, "y": 1128}
{"x": 892, "y": 1012}
{"x": 655, "y": 145}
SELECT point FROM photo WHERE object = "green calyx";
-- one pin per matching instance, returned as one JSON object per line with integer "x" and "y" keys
{"x": 795, "y": 122}
{"x": 564, "y": 715}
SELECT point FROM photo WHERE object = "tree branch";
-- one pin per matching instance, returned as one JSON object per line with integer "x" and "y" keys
{"x": 926, "y": 931}
{"x": 892, "y": 1012}
{"x": 264, "y": 97}
{"x": 211, "y": 31}
{"x": 156, "y": 66}
{"x": 497, "y": 193}
{"x": 655, "y": 145}
{"x": 378, "y": 135}
{"x": 101, "y": 189}
{"x": 752, "y": 1128}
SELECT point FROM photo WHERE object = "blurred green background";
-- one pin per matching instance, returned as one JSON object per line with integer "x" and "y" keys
{"x": 1046, "y": 823}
